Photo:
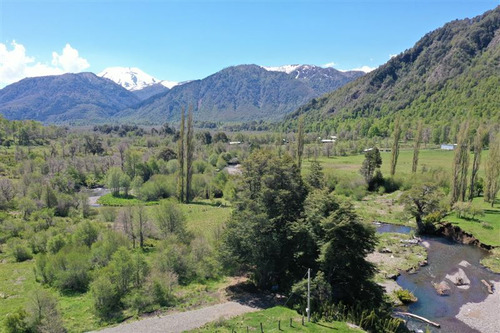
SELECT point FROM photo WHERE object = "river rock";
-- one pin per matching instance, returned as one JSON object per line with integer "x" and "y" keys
{"x": 442, "y": 288}
{"x": 460, "y": 279}
{"x": 464, "y": 263}
{"x": 386, "y": 250}
{"x": 423, "y": 263}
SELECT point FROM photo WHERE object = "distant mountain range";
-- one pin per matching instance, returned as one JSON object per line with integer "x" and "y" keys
{"x": 452, "y": 73}
{"x": 242, "y": 93}
{"x": 65, "y": 98}
{"x": 239, "y": 93}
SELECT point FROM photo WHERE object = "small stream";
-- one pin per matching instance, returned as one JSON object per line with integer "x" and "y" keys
{"x": 445, "y": 258}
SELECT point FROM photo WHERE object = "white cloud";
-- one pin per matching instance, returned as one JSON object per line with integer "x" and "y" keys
{"x": 69, "y": 60}
{"x": 330, "y": 64}
{"x": 366, "y": 69}
{"x": 392, "y": 56}
{"x": 15, "y": 64}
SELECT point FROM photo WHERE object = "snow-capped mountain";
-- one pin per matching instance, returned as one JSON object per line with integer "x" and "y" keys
{"x": 285, "y": 69}
{"x": 132, "y": 78}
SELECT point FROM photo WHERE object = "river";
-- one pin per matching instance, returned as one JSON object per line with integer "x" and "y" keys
{"x": 445, "y": 259}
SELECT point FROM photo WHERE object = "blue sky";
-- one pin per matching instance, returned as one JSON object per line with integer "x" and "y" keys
{"x": 182, "y": 40}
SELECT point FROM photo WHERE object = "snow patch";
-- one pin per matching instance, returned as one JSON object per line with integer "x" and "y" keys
{"x": 132, "y": 78}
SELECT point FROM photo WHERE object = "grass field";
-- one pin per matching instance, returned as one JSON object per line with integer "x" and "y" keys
{"x": 269, "y": 319}
{"x": 485, "y": 228}
{"x": 430, "y": 158}
{"x": 119, "y": 201}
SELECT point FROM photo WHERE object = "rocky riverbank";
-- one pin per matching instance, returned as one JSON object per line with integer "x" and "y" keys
{"x": 483, "y": 316}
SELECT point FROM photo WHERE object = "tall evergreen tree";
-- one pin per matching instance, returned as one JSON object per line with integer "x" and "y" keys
{"x": 478, "y": 147}
{"x": 300, "y": 141}
{"x": 180, "y": 158}
{"x": 460, "y": 165}
{"x": 395, "y": 145}
{"x": 416, "y": 148}
{"x": 492, "y": 171}
{"x": 189, "y": 153}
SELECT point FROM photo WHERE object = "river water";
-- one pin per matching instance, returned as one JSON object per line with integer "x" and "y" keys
{"x": 445, "y": 258}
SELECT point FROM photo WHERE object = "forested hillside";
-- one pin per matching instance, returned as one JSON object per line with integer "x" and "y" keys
{"x": 451, "y": 73}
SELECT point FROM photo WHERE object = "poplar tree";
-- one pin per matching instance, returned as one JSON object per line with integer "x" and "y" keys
{"x": 189, "y": 154}
{"x": 300, "y": 141}
{"x": 478, "y": 147}
{"x": 460, "y": 165}
{"x": 416, "y": 148}
{"x": 395, "y": 145}
{"x": 492, "y": 171}
{"x": 180, "y": 157}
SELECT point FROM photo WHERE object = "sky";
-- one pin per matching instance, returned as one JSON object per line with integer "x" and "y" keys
{"x": 180, "y": 40}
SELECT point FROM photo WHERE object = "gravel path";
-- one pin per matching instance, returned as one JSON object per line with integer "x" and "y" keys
{"x": 182, "y": 321}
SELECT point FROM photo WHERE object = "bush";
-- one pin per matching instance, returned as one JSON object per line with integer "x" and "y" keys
{"x": 108, "y": 214}
{"x": 67, "y": 270}
{"x": 158, "y": 187}
{"x": 15, "y": 322}
{"x": 19, "y": 249}
{"x": 109, "y": 242}
{"x": 467, "y": 210}
{"x": 405, "y": 296}
{"x": 86, "y": 233}
{"x": 105, "y": 296}
{"x": 56, "y": 243}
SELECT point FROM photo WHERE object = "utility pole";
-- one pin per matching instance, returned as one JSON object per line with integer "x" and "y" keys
{"x": 308, "y": 310}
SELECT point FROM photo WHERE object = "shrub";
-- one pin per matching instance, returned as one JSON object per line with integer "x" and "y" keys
{"x": 15, "y": 322}
{"x": 106, "y": 246}
{"x": 19, "y": 249}
{"x": 405, "y": 296}
{"x": 108, "y": 214}
{"x": 467, "y": 210}
{"x": 86, "y": 233}
{"x": 105, "y": 296}
{"x": 56, "y": 243}
{"x": 67, "y": 270}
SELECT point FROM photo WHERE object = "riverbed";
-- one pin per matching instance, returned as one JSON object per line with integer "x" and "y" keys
{"x": 95, "y": 194}
{"x": 446, "y": 259}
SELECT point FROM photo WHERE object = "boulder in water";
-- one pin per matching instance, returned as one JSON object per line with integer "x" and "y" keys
{"x": 442, "y": 288}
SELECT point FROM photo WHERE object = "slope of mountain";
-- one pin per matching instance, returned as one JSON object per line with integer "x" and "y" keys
{"x": 63, "y": 98}
{"x": 150, "y": 91}
{"x": 451, "y": 73}
{"x": 242, "y": 93}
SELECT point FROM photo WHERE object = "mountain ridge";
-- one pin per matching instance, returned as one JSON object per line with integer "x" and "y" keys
{"x": 241, "y": 93}
{"x": 449, "y": 73}
{"x": 63, "y": 98}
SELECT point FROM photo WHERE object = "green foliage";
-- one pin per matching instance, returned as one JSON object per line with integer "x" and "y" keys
{"x": 405, "y": 296}
{"x": 259, "y": 234}
{"x": 372, "y": 162}
{"x": 169, "y": 219}
{"x": 467, "y": 210}
{"x": 16, "y": 322}
{"x": 67, "y": 270}
{"x": 19, "y": 249}
{"x": 422, "y": 200}
{"x": 315, "y": 178}
{"x": 86, "y": 233}
{"x": 105, "y": 296}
